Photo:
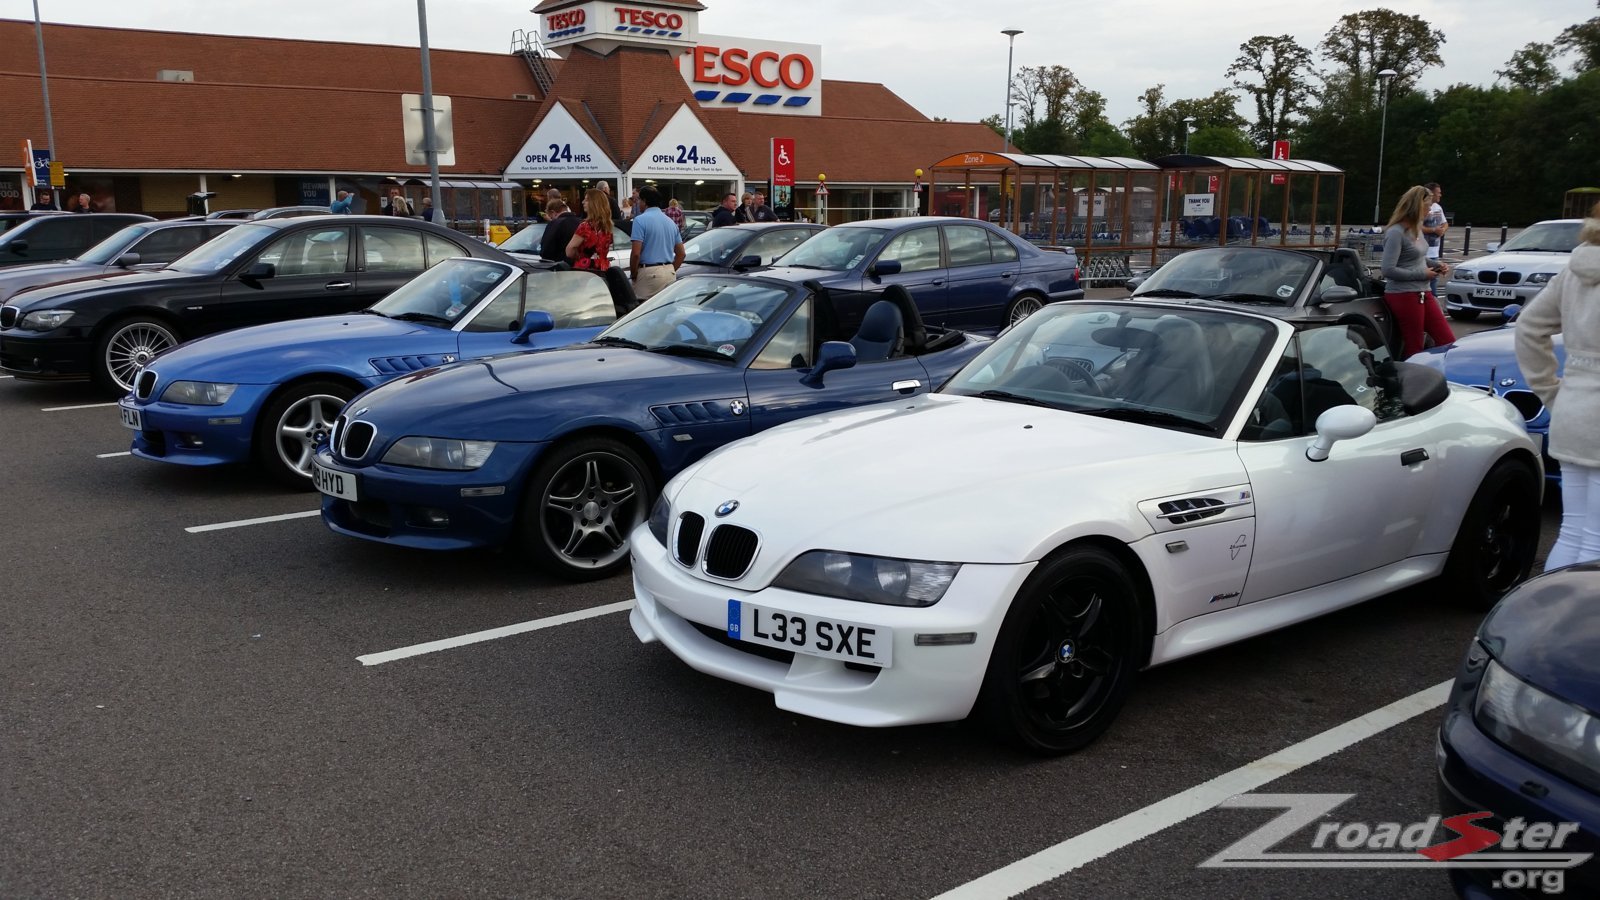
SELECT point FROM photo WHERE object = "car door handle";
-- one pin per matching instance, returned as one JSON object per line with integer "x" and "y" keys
{"x": 907, "y": 385}
{"x": 338, "y": 286}
{"x": 938, "y": 281}
{"x": 1413, "y": 457}
{"x": 1007, "y": 274}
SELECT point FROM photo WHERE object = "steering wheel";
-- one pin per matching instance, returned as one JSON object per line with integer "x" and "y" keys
{"x": 689, "y": 324}
{"x": 1079, "y": 372}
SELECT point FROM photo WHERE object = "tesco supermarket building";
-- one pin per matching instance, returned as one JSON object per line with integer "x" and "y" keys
{"x": 628, "y": 92}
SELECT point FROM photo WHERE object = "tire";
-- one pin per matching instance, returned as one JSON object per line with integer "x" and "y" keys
{"x": 1022, "y": 307}
{"x": 1066, "y": 655}
{"x": 580, "y": 504}
{"x": 1498, "y": 538}
{"x": 1464, "y": 315}
{"x": 289, "y": 429}
{"x": 127, "y": 346}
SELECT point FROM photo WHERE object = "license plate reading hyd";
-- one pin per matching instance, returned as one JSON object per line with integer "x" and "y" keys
{"x": 132, "y": 418}
{"x": 334, "y": 484}
{"x": 813, "y": 636}
{"x": 1495, "y": 293}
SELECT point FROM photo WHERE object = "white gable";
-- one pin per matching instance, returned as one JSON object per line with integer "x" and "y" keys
{"x": 560, "y": 148}
{"x": 684, "y": 149}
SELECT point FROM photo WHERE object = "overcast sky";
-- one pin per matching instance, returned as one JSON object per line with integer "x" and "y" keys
{"x": 947, "y": 57}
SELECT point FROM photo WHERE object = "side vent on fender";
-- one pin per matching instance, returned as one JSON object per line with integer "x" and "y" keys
{"x": 1199, "y": 508}
{"x": 1180, "y": 512}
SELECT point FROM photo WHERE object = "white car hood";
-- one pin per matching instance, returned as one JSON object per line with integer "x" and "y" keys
{"x": 1526, "y": 263}
{"x": 947, "y": 478}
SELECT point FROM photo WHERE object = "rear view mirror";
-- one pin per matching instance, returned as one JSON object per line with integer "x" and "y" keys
{"x": 833, "y": 355}
{"x": 261, "y": 271}
{"x": 1338, "y": 294}
{"x": 1342, "y": 423}
{"x": 750, "y": 261}
{"x": 885, "y": 267}
{"x": 128, "y": 260}
{"x": 1492, "y": 247}
{"x": 535, "y": 322}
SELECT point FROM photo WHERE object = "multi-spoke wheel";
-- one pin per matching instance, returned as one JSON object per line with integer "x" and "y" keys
{"x": 581, "y": 502}
{"x": 1499, "y": 536}
{"x": 1023, "y": 307}
{"x": 1066, "y": 654}
{"x": 292, "y": 426}
{"x": 126, "y": 347}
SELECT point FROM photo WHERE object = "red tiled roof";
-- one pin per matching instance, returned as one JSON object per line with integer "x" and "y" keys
{"x": 862, "y": 100}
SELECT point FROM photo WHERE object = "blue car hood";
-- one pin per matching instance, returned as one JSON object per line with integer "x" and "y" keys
{"x": 1470, "y": 359}
{"x": 264, "y": 354}
{"x": 521, "y": 397}
{"x": 1547, "y": 632}
{"x": 43, "y": 297}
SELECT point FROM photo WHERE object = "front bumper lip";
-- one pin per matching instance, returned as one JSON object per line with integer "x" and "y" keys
{"x": 35, "y": 355}
{"x": 924, "y": 685}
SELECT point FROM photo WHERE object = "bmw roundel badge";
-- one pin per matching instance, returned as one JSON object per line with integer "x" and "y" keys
{"x": 727, "y": 508}
{"x": 737, "y": 407}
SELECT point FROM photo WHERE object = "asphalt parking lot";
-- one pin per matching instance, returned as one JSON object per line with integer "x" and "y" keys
{"x": 187, "y": 712}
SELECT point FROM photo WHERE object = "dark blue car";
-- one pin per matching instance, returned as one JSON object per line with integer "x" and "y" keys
{"x": 1521, "y": 738}
{"x": 270, "y": 393}
{"x": 963, "y": 273}
{"x": 561, "y": 454}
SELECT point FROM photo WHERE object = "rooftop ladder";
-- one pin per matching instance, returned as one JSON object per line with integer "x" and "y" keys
{"x": 526, "y": 44}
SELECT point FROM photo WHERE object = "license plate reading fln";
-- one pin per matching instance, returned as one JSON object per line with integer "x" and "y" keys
{"x": 814, "y": 636}
{"x": 132, "y": 418}
{"x": 334, "y": 484}
{"x": 1495, "y": 293}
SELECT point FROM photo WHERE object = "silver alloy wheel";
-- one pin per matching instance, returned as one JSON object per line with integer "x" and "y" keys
{"x": 1023, "y": 308}
{"x": 131, "y": 348}
{"x": 304, "y": 424}
{"x": 589, "y": 507}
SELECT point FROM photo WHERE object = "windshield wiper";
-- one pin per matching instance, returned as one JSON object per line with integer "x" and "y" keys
{"x": 688, "y": 350}
{"x": 1148, "y": 417}
{"x": 1246, "y": 297}
{"x": 1169, "y": 292}
{"x": 701, "y": 262}
{"x": 1009, "y": 397}
{"x": 1532, "y": 250}
{"x": 372, "y": 312}
{"x": 614, "y": 341}
{"x": 420, "y": 317}
{"x": 803, "y": 266}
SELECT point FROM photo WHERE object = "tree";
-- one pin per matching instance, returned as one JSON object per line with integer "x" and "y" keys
{"x": 1276, "y": 73}
{"x": 1220, "y": 140}
{"x": 995, "y": 122}
{"x": 1159, "y": 128}
{"x": 1584, "y": 40}
{"x": 1532, "y": 68}
{"x": 1051, "y": 87}
{"x": 1365, "y": 43}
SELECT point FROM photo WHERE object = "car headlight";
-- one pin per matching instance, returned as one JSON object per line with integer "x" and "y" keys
{"x": 1463, "y": 275}
{"x": 661, "y": 519}
{"x": 1541, "y": 277}
{"x": 869, "y": 579}
{"x": 45, "y": 320}
{"x": 198, "y": 393}
{"x": 439, "y": 453}
{"x": 1546, "y": 730}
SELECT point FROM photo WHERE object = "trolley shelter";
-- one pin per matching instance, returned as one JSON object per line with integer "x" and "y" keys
{"x": 1578, "y": 202}
{"x": 1219, "y": 200}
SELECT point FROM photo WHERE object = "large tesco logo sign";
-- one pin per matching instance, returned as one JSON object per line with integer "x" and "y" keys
{"x": 646, "y": 18}
{"x": 734, "y": 66}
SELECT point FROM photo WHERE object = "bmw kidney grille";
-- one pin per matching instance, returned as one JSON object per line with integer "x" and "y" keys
{"x": 8, "y": 317}
{"x": 354, "y": 438}
{"x": 145, "y": 385}
{"x": 691, "y": 527}
{"x": 730, "y": 551}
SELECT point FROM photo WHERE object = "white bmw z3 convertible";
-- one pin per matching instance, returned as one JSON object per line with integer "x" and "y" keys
{"x": 1108, "y": 486}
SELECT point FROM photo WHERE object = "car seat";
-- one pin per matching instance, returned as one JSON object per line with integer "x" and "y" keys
{"x": 916, "y": 334}
{"x": 621, "y": 288}
{"x": 1176, "y": 372}
{"x": 882, "y": 333}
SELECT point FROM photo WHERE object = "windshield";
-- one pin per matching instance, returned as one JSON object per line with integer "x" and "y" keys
{"x": 1558, "y": 237}
{"x": 524, "y": 241}
{"x": 106, "y": 252}
{"x": 1174, "y": 368}
{"x": 1268, "y": 276}
{"x": 716, "y": 247}
{"x": 836, "y": 249}
{"x": 221, "y": 251}
{"x": 716, "y": 316}
{"x": 445, "y": 292}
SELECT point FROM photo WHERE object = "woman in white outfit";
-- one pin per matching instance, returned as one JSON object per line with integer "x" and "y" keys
{"x": 1570, "y": 306}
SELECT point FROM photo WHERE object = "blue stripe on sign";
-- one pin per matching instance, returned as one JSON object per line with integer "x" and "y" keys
{"x": 733, "y": 618}
{"x": 736, "y": 98}
{"x": 636, "y": 29}
{"x": 767, "y": 99}
{"x": 676, "y": 34}
{"x": 704, "y": 96}
{"x": 797, "y": 101}
{"x": 622, "y": 28}
{"x": 649, "y": 31}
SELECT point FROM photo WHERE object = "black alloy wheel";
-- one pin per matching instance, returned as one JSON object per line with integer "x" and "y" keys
{"x": 1498, "y": 539}
{"x": 582, "y": 501}
{"x": 1066, "y": 655}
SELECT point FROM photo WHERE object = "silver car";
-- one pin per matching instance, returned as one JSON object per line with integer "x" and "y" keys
{"x": 1513, "y": 272}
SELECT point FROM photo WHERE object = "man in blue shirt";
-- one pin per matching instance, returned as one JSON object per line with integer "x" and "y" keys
{"x": 343, "y": 205}
{"x": 657, "y": 247}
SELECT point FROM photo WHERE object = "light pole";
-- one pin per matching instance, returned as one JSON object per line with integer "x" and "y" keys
{"x": 1188, "y": 128}
{"x": 1385, "y": 77}
{"x": 1010, "y": 55}
{"x": 430, "y": 141}
{"x": 44, "y": 84}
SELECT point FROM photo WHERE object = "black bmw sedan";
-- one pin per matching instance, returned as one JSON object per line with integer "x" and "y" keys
{"x": 265, "y": 271}
{"x": 145, "y": 245}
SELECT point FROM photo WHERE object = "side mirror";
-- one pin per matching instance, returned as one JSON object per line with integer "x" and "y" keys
{"x": 18, "y": 247}
{"x": 534, "y": 322}
{"x": 260, "y": 271}
{"x": 1338, "y": 294}
{"x": 1342, "y": 423}
{"x": 1512, "y": 311}
{"x": 750, "y": 261}
{"x": 833, "y": 355}
{"x": 885, "y": 267}
{"x": 128, "y": 260}
{"x": 1492, "y": 247}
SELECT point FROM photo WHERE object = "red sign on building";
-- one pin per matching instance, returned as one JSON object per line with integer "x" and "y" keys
{"x": 782, "y": 162}
{"x": 1280, "y": 150}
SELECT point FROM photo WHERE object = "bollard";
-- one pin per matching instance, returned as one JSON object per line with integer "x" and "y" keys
{"x": 1466, "y": 241}
{"x": 1502, "y": 234}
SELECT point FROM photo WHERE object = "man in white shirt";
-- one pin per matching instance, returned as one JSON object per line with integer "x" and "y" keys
{"x": 1434, "y": 226}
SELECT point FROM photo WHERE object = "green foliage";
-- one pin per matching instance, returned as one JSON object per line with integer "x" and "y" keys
{"x": 1220, "y": 140}
{"x": 1276, "y": 73}
{"x": 1584, "y": 40}
{"x": 1532, "y": 68}
{"x": 1365, "y": 43}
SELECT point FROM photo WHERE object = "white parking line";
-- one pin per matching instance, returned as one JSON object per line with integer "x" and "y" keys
{"x": 244, "y": 523}
{"x": 113, "y": 455}
{"x": 84, "y": 406}
{"x": 1076, "y": 852}
{"x": 373, "y": 659}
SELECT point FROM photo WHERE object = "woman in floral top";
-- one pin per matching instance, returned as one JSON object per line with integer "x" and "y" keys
{"x": 589, "y": 247}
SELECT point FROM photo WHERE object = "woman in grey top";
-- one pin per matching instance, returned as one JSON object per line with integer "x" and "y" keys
{"x": 1407, "y": 271}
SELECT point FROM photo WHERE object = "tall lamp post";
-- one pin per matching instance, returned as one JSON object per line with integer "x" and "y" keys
{"x": 1188, "y": 129}
{"x": 1010, "y": 55}
{"x": 430, "y": 141}
{"x": 1385, "y": 77}
{"x": 44, "y": 85}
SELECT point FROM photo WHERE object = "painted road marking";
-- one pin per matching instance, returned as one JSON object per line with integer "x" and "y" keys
{"x": 245, "y": 523}
{"x": 113, "y": 455}
{"x": 373, "y": 659}
{"x": 1073, "y": 853}
{"x": 84, "y": 406}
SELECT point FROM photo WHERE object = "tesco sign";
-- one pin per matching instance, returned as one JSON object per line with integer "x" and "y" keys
{"x": 754, "y": 75}
{"x": 735, "y": 66}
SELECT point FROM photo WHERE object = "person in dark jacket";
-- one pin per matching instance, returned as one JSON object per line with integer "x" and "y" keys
{"x": 558, "y": 234}
{"x": 83, "y": 204}
{"x": 44, "y": 200}
{"x": 724, "y": 215}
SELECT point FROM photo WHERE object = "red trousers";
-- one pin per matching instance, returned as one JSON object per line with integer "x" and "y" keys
{"x": 1416, "y": 314}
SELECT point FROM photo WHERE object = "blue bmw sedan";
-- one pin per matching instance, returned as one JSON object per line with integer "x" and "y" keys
{"x": 561, "y": 454}
{"x": 270, "y": 393}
